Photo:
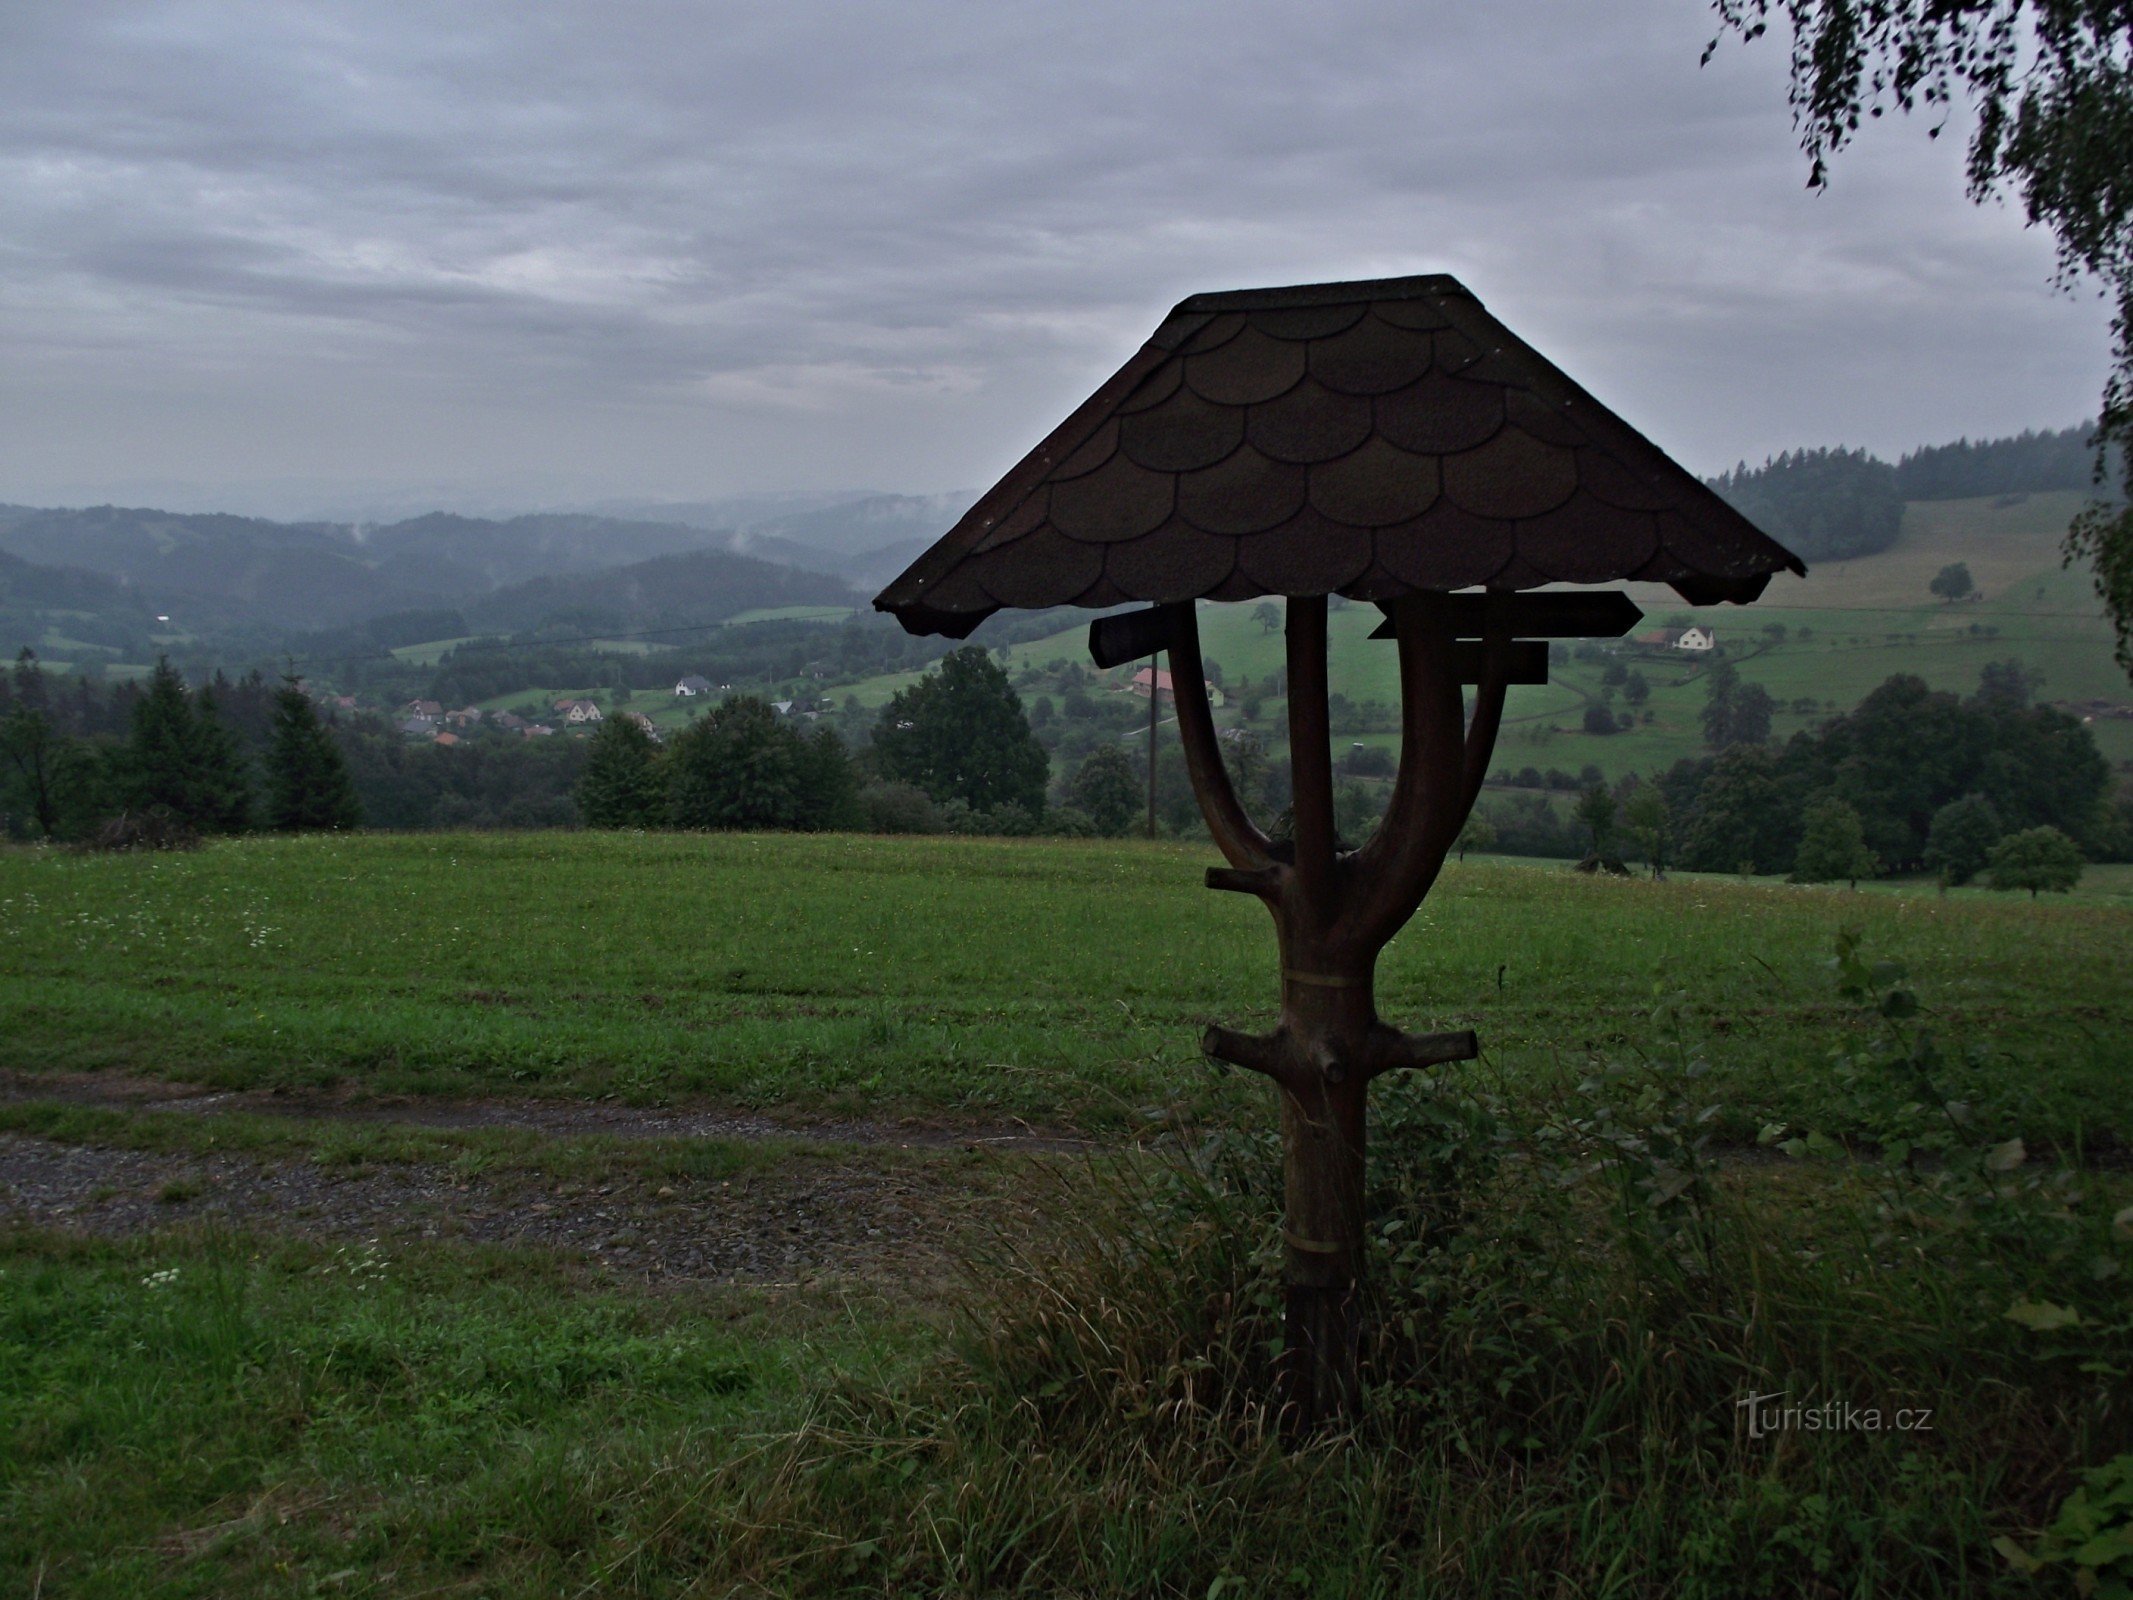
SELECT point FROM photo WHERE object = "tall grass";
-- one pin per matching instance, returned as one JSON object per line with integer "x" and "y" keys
{"x": 1554, "y": 1407}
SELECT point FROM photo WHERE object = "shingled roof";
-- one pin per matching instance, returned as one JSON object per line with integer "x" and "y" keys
{"x": 1371, "y": 439}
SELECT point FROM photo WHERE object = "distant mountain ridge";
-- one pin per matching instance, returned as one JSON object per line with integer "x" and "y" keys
{"x": 212, "y": 568}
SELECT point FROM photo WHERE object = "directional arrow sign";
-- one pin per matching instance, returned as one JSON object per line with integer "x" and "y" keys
{"x": 1597, "y": 614}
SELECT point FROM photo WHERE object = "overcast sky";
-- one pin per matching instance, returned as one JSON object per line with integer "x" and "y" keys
{"x": 306, "y": 258}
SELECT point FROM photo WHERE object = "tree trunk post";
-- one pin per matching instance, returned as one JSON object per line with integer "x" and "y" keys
{"x": 1333, "y": 912}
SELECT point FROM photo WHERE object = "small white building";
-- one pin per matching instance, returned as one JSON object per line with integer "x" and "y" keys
{"x": 1696, "y": 639}
{"x": 692, "y": 686}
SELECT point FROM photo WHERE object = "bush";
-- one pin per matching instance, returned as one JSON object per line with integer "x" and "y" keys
{"x": 156, "y": 828}
{"x": 899, "y": 808}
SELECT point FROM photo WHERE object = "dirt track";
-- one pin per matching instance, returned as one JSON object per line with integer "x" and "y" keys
{"x": 897, "y": 1223}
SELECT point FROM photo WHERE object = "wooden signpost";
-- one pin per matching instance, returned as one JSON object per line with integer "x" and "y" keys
{"x": 1334, "y": 911}
{"x": 1392, "y": 442}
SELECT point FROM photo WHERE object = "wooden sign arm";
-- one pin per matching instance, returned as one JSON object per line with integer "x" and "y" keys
{"x": 1311, "y": 754}
{"x": 1395, "y": 869}
{"x": 1235, "y": 834}
{"x": 1487, "y": 721}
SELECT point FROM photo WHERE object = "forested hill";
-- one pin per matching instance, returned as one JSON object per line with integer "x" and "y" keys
{"x": 700, "y": 587}
{"x": 218, "y": 569}
{"x": 1837, "y": 504}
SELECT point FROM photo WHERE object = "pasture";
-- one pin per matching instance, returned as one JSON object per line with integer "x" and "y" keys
{"x": 354, "y": 1240}
{"x": 1063, "y": 982}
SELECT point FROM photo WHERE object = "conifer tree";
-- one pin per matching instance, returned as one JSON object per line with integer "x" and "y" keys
{"x": 623, "y": 785}
{"x": 308, "y": 786}
{"x": 181, "y": 758}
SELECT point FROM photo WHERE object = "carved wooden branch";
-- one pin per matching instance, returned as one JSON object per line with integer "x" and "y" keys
{"x": 1394, "y": 1051}
{"x": 1235, "y": 834}
{"x": 1397, "y": 866}
{"x": 1488, "y": 720}
{"x": 1265, "y": 1053}
{"x": 1311, "y": 754}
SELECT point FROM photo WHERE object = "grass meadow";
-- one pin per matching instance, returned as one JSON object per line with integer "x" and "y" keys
{"x": 1691, "y": 1169}
{"x": 1061, "y": 982}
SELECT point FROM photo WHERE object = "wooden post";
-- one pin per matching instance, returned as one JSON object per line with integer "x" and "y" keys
{"x": 1333, "y": 913}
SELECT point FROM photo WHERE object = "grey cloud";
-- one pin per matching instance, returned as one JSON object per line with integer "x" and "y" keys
{"x": 690, "y": 249}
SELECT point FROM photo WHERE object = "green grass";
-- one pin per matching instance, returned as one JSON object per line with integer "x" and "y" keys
{"x": 196, "y": 1415}
{"x": 1557, "y": 1353}
{"x": 1060, "y": 981}
{"x": 791, "y": 614}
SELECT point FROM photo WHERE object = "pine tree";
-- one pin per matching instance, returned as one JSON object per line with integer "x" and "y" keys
{"x": 181, "y": 758}
{"x": 623, "y": 786}
{"x": 308, "y": 786}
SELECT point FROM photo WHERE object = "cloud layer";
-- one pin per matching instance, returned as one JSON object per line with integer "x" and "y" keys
{"x": 259, "y": 254}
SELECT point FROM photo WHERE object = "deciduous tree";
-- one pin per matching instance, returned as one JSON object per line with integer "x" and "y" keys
{"x": 1105, "y": 789}
{"x": 1833, "y": 845}
{"x": 2034, "y": 859}
{"x": 1960, "y": 841}
{"x": 1952, "y": 582}
{"x": 959, "y": 734}
{"x": 740, "y": 766}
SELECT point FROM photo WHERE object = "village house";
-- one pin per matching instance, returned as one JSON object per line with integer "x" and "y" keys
{"x": 535, "y": 730}
{"x": 1161, "y": 680}
{"x": 422, "y": 708}
{"x": 642, "y": 721}
{"x": 510, "y": 721}
{"x": 692, "y": 686}
{"x": 446, "y": 739}
{"x": 465, "y": 717}
{"x": 417, "y": 727}
{"x": 576, "y": 711}
{"x": 1697, "y": 640}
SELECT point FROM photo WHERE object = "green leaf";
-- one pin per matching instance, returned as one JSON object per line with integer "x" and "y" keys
{"x": 2014, "y": 1555}
{"x": 2042, "y": 1316}
{"x": 2006, "y": 1157}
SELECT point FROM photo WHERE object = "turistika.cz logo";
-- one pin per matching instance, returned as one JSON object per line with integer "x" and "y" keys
{"x": 1765, "y": 1414}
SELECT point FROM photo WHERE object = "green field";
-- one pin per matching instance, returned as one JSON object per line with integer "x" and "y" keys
{"x": 1867, "y": 619}
{"x": 929, "y": 976}
{"x": 1055, "y": 1383}
{"x": 429, "y": 652}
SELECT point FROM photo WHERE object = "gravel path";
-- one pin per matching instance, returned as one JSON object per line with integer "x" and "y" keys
{"x": 558, "y": 1117}
{"x": 813, "y": 1223}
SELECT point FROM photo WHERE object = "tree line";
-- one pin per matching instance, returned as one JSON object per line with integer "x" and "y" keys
{"x": 1836, "y": 504}
{"x": 1913, "y": 779}
{"x": 180, "y": 769}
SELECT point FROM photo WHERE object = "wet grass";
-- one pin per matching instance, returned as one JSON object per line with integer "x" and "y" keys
{"x": 1065, "y": 983}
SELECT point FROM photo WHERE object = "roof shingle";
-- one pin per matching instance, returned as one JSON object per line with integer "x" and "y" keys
{"x": 1373, "y": 439}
